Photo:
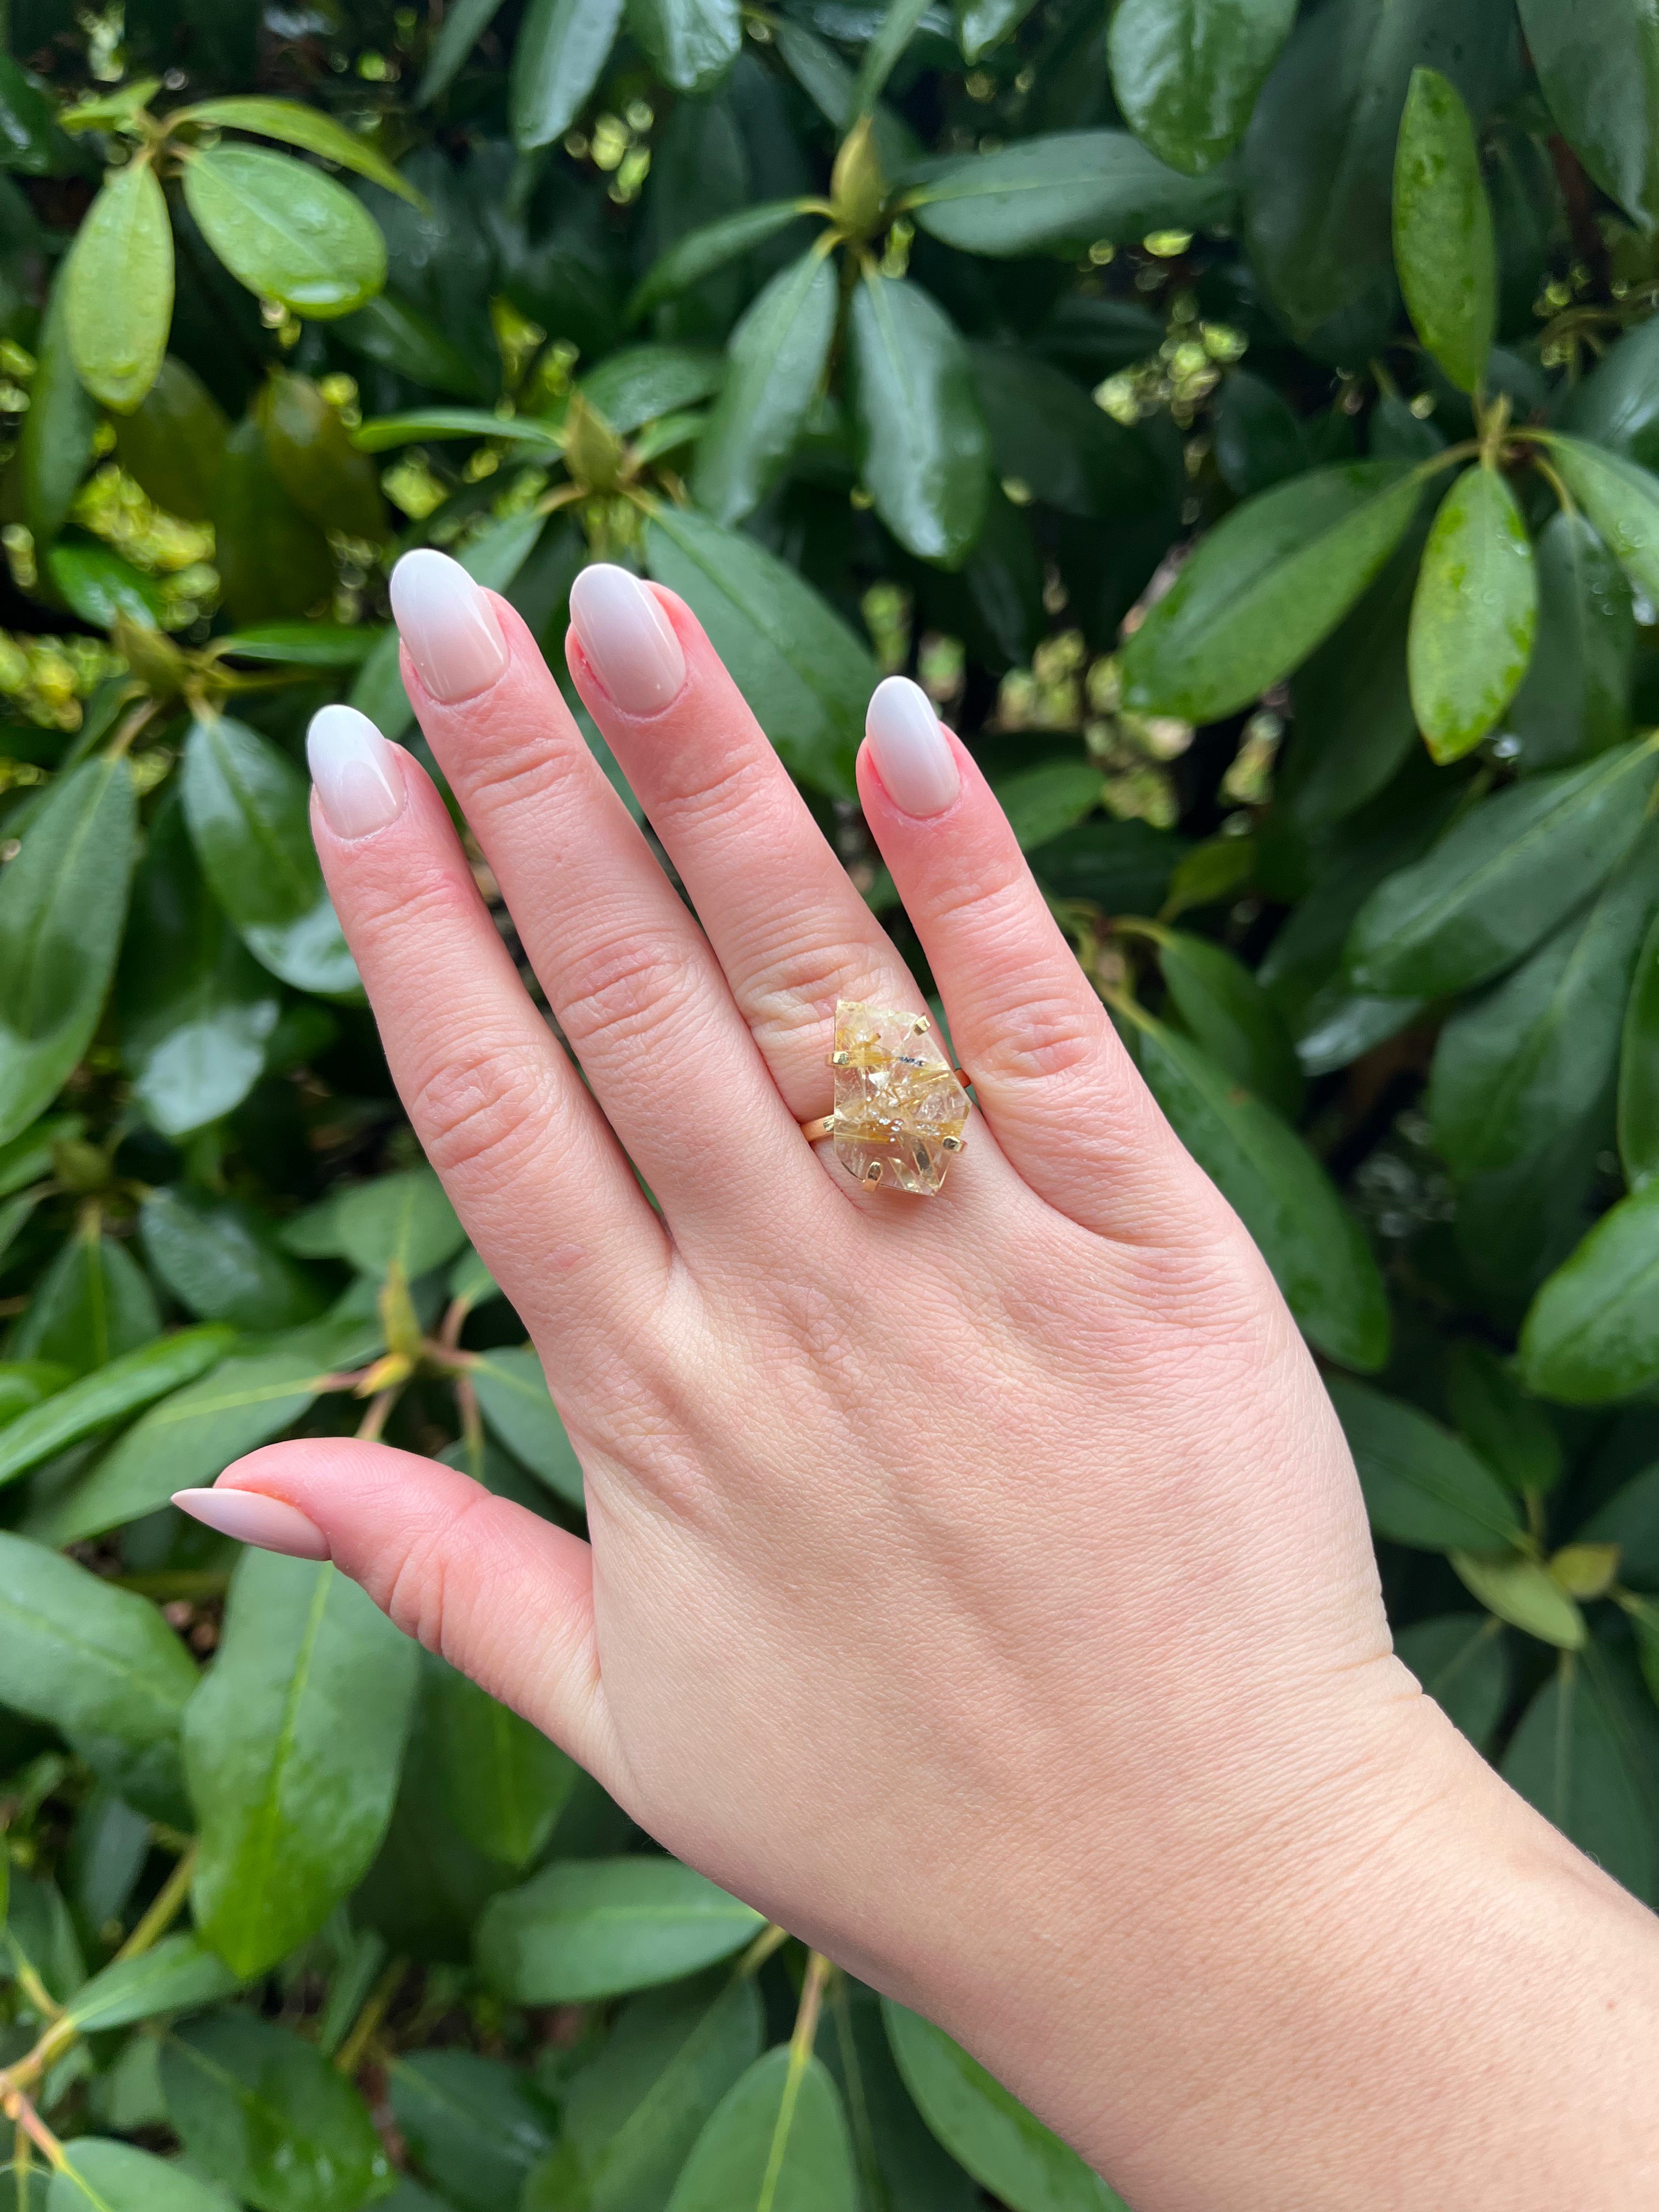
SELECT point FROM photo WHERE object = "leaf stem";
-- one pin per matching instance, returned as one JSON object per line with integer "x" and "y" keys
{"x": 16, "y": 2106}
{"x": 349, "y": 2056}
{"x": 168, "y": 1904}
{"x": 771, "y": 1939}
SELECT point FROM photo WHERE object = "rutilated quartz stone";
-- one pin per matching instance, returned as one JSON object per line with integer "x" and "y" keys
{"x": 900, "y": 1112}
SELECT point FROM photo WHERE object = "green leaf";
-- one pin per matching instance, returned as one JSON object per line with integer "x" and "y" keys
{"x": 1258, "y": 439}
{"x": 268, "y": 2116}
{"x": 586, "y": 1928}
{"x": 924, "y": 456}
{"x": 1220, "y": 1003}
{"x": 642, "y": 382}
{"x": 99, "y": 585}
{"x": 393, "y": 335}
{"x": 1508, "y": 873}
{"x": 195, "y": 1009}
{"x": 1598, "y": 63}
{"x": 1617, "y": 404}
{"x": 513, "y": 1397}
{"x": 307, "y": 127}
{"x": 1059, "y": 186}
{"x": 1592, "y": 1333}
{"x": 109, "y": 1394}
{"x": 1353, "y": 727}
{"x": 248, "y": 809}
{"x": 1586, "y": 1754}
{"x": 1284, "y": 1199}
{"x": 779, "y": 352}
{"x": 1575, "y": 698}
{"x": 189, "y": 1439}
{"x": 1006, "y": 2148}
{"x": 1521, "y": 1592}
{"x": 981, "y": 23}
{"x": 97, "y": 1663}
{"x": 120, "y": 279}
{"x": 1539, "y": 1050}
{"x": 561, "y": 47}
{"x": 776, "y": 2142}
{"x": 386, "y": 432}
{"x": 315, "y": 459}
{"x": 1460, "y": 1660}
{"x": 475, "y": 2126}
{"x": 885, "y": 51}
{"x": 1512, "y": 1433}
{"x": 1621, "y": 499}
{"x": 503, "y": 1784}
{"x": 690, "y": 44}
{"x": 221, "y": 1262}
{"x": 63, "y": 901}
{"x": 1185, "y": 73}
{"x": 292, "y": 1747}
{"x": 1473, "y": 614}
{"x": 1423, "y": 1486}
{"x": 285, "y": 230}
{"x": 1047, "y": 435}
{"x": 1638, "y": 1068}
{"x": 299, "y": 645}
{"x": 26, "y": 1383}
{"x": 711, "y": 246}
{"x": 92, "y": 1305}
{"x": 1264, "y": 587}
{"x": 273, "y": 561}
{"x": 1443, "y": 231}
{"x": 1630, "y": 1519}
{"x": 806, "y": 676}
{"x": 633, "y": 2114}
{"x": 180, "y": 1974}
{"x": 1042, "y": 802}
{"x": 56, "y": 442}
{"x": 464, "y": 25}
{"x": 406, "y": 1217}
{"x": 31, "y": 143}
{"x": 104, "y": 2176}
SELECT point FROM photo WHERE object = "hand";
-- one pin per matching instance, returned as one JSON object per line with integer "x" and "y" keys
{"x": 978, "y": 1584}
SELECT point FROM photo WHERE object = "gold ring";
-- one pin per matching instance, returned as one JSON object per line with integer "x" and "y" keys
{"x": 900, "y": 1108}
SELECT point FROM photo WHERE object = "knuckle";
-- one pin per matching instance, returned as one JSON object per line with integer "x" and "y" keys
{"x": 794, "y": 993}
{"x": 1046, "y": 1038}
{"x": 425, "y": 910}
{"x": 416, "y": 1590}
{"x": 479, "y": 1112}
{"x": 523, "y": 762}
{"x": 625, "y": 990}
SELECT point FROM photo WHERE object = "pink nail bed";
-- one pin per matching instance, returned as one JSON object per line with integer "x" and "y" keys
{"x": 252, "y": 1518}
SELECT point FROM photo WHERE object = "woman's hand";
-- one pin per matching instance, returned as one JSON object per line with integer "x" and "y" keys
{"x": 978, "y": 1584}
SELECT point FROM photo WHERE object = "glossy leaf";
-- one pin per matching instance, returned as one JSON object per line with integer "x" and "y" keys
{"x": 1047, "y": 435}
{"x": 1508, "y": 873}
{"x": 394, "y": 334}
{"x": 1638, "y": 1068}
{"x": 1265, "y": 587}
{"x": 101, "y": 586}
{"x": 266, "y": 2116}
{"x": 1522, "y": 1593}
{"x": 777, "y": 2141}
{"x": 708, "y": 248}
{"x": 308, "y": 128}
{"x": 598, "y": 1928}
{"x": 513, "y": 1397}
{"x": 1575, "y": 697}
{"x": 314, "y": 458}
{"x": 180, "y": 1975}
{"x": 285, "y": 230}
{"x": 1622, "y": 501}
{"x": 1354, "y": 728}
{"x": 1005, "y": 2148}
{"x": 1443, "y": 230}
{"x": 63, "y": 901}
{"x": 806, "y": 676}
{"x": 1617, "y": 404}
{"x": 1473, "y": 614}
{"x": 503, "y": 1784}
{"x": 1315, "y": 1247}
{"x": 298, "y": 645}
{"x": 982, "y": 24}
{"x": 642, "y": 382}
{"x": 387, "y": 432}
{"x": 120, "y": 279}
{"x": 96, "y": 1661}
{"x": 1060, "y": 186}
{"x": 1221, "y": 1004}
{"x": 560, "y": 50}
{"x": 248, "y": 809}
{"x": 475, "y": 2126}
{"x": 1259, "y": 440}
{"x": 924, "y": 454}
{"x": 779, "y": 352}
{"x": 1592, "y": 1333}
{"x": 102, "y": 2175}
{"x": 1186, "y": 75}
{"x": 274, "y": 562}
{"x": 221, "y": 1262}
{"x": 1598, "y": 63}
{"x": 1586, "y": 1754}
{"x": 109, "y": 1393}
{"x": 1458, "y": 1658}
{"x": 690, "y": 44}
{"x": 92, "y": 1305}
{"x": 1512, "y": 1432}
{"x": 292, "y": 1746}
{"x": 55, "y": 445}
{"x": 1423, "y": 1486}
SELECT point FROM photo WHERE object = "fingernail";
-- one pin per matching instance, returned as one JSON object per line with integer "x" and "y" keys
{"x": 252, "y": 1518}
{"x": 913, "y": 755}
{"x": 448, "y": 625}
{"x": 358, "y": 775}
{"x": 627, "y": 637}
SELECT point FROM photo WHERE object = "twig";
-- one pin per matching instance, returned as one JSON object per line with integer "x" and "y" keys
{"x": 349, "y": 2056}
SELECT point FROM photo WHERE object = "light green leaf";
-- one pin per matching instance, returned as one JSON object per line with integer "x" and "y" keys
{"x": 307, "y": 127}
{"x": 1598, "y": 63}
{"x": 1264, "y": 587}
{"x": 1591, "y": 1335}
{"x": 285, "y": 230}
{"x": 1443, "y": 234}
{"x": 385, "y": 431}
{"x": 1185, "y": 73}
{"x": 1059, "y": 186}
{"x": 561, "y": 47}
{"x": 779, "y": 352}
{"x": 119, "y": 280}
{"x": 642, "y": 382}
{"x": 597, "y": 1928}
{"x": 1460, "y": 1660}
{"x": 1521, "y": 1592}
{"x": 100, "y": 585}
{"x": 298, "y": 645}
{"x": 513, "y": 1397}
{"x": 292, "y": 1749}
{"x": 1473, "y": 614}
{"x": 180, "y": 1974}
{"x": 63, "y": 901}
{"x": 924, "y": 454}
{"x": 709, "y": 248}
{"x": 26, "y": 1383}
{"x": 503, "y": 1784}
{"x": 109, "y": 1394}
{"x": 96, "y": 1662}
{"x": 1423, "y": 1486}
{"x": 690, "y": 44}
{"x": 1621, "y": 499}
{"x": 105, "y": 2176}
{"x": 1586, "y": 1754}
{"x": 406, "y": 1218}
{"x": 777, "y": 2141}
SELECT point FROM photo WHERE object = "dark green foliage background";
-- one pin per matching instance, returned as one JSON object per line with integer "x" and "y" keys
{"x": 1239, "y": 418}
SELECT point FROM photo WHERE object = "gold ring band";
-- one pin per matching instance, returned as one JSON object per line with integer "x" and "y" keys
{"x": 900, "y": 1107}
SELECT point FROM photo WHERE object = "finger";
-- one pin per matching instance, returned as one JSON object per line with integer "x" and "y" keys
{"x": 500, "y": 1593}
{"x": 627, "y": 972}
{"x": 1050, "y": 1072}
{"x": 781, "y": 912}
{"x": 525, "y": 1156}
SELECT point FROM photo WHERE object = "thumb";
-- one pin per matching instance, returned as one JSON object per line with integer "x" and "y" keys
{"x": 500, "y": 1593}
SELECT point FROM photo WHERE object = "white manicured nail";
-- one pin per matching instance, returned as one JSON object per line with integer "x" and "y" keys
{"x": 628, "y": 639}
{"x": 448, "y": 625}
{"x": 252, "y": 1518}
{"x": 912, "y": 753}
{"x": 359, "y": 776}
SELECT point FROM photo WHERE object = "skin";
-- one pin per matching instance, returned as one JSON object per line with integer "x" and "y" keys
{"x": 979, "y": 1585}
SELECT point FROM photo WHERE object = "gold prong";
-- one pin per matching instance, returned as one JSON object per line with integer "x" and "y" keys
{"x": 840, "y": 1060}
{"x": 953, "y": 1143}
{"x": 872, "y": 1174}
{"x": 921, "y": 1025}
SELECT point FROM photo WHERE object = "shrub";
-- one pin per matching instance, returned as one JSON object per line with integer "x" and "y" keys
{"x": 1240, "y": 420}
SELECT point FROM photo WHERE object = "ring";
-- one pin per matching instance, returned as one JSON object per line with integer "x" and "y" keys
{"x": 900, "y": 1108}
